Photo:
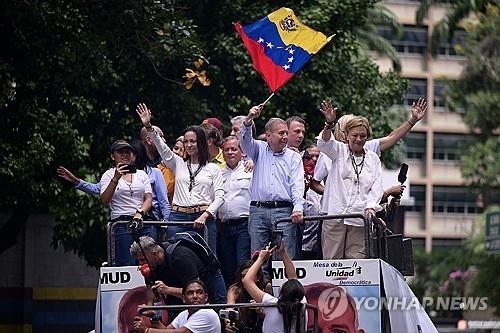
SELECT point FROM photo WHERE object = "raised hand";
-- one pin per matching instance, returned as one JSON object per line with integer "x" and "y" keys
{"x": 254, "y": 113}
{"x": 144, "y": 113}
{"x": 418, "y": 110}
{"x": 328, "y": 111}
{"x": 66, "y": 174}
{"x": 264, "y": 254}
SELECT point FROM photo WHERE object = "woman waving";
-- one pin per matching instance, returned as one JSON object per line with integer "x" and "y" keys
{"x": 199, "y": 189}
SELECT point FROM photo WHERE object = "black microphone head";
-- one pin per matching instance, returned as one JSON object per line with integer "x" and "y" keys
{"x": 402, "y": 173}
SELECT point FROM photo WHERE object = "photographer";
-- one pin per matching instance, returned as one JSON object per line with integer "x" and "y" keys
{"x": 170, "y": 271}
{"x": 127, "y": 192}
{"x": 188, "y": 321}
{"x": 290, "y": 315}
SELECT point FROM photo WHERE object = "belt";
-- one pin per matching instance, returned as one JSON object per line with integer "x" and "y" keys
{"x": 193, "y": 209}
{"x": 236, "y": 221}
{"x": 271, "y": 204}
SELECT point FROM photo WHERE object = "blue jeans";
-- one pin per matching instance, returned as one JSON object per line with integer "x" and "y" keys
{"x": 190, "y": 217}
{"x": 123, "y": 240}
{"x": 260, "y": 227}
{"x": 219, "y": 288}
{"x": 235, "y": 249}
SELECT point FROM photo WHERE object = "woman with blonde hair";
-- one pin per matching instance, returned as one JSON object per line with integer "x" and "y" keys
{"x": 354, "y": 186}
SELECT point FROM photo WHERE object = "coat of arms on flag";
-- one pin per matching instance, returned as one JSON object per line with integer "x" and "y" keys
{"x": 279, "y": 45}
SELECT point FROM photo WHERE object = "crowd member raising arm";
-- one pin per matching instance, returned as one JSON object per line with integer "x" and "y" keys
{"x": 354, "y": 187}
{"x": 198, "y": 191}
{"x": 290, "y": 315}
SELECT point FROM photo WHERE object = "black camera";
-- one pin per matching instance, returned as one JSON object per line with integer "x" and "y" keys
{"x": 136, "y": 224}
{"x": 277, "y": 236}
{"x": 232, "y": 315}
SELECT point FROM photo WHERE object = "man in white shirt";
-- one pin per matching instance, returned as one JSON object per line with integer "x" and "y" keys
{"x": 188, "y": 321}
{"x": 235, "y": 240}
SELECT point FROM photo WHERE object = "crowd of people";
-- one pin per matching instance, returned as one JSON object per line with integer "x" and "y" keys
{"x": 232, "y": 190}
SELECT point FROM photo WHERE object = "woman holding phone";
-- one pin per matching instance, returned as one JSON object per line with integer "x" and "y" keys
{"x": 127, "y": 192}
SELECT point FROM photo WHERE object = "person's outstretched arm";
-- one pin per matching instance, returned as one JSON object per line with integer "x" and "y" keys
{"x": 418, "y": 110}
{"x": 80, "y": 184}
{"x": 249, "y": 280}
{"x": 290, "y": 271}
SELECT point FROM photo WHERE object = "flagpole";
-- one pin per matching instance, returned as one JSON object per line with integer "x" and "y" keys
{"x": 267, "y": 99}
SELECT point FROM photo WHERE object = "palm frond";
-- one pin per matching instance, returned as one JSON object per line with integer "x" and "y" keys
{"x": 377, "y": 43}
{"x": 381, "y": 15}
{"x": 422, "y": 10}
{"x": 440, "y": 33}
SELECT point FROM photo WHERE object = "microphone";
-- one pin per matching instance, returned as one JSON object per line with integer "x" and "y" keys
{"x": 402, "y": 173}
{"x": 391, "y": 210}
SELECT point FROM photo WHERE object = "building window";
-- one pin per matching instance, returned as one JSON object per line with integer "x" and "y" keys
{"x": 413, "y": 41}
{"x": 440, "y": 103}
{"x": 418, "y": 89}
{"x": 446, "y": 147}
{"x": 454, "y": 200}
{"x": 449, "y": 48}
{"x": 445, "y": 244}
{"x": 415, "y": 146}
{"x": 418, "y": 193}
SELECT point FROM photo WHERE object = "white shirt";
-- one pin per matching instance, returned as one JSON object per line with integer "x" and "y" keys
{"x": 342, "y": 194}
{"x": 202, "y": 321}
{"x": 208, "y": 187}
{"x": 128, "y": 198}
{"x": 237, "y": 186}
{"x": 273, "y": 321}
{"x": 324, "y": 163}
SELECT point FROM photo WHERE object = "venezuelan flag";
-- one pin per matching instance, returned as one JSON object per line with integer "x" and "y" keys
{"x": 279, "y": 45}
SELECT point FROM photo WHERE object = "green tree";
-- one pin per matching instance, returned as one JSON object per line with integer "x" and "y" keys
{"x": 460, "y": 10}
{"x": 369, "y": 37}
{"x": 71, "y": 74}
{"x": 477, "y": 93}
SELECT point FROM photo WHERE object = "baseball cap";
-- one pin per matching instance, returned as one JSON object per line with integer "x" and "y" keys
{"x": 215, "y": 123}
{"x": 119, "y": 144}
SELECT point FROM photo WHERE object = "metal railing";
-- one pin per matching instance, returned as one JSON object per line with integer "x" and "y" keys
{"x": 214, "y": 307}
{"x": 375, "y": 229}
{"x": 110, "y": 235}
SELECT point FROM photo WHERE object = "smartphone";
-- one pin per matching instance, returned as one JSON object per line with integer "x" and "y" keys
{"x": 277, "y": 236}
{"x": 131, "y": 168}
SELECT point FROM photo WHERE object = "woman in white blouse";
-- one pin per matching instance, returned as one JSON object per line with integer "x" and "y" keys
{"x": 354, "y": 187}
{"x": 199, "y": 189}
{"x": 128, "y": 194}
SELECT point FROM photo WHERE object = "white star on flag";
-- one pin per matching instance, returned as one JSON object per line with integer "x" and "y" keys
{"x": 286, "y": 67}
{"x": 270, "y": 45}
{"x": 260, "y": 40}
{"x": 290, "y": 59}
{"x": 291, "y": 51}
